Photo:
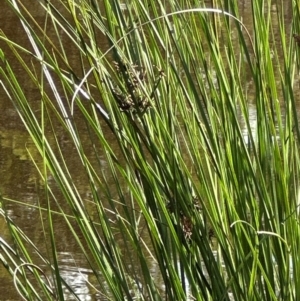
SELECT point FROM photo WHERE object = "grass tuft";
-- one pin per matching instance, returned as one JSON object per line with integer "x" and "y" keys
{"x": 184, "y": 130}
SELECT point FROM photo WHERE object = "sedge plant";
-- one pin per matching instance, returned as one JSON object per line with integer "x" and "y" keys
{"x": 189, "y": 196}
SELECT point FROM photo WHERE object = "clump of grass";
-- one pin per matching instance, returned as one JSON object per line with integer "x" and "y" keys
{"x": 190, "y": 185}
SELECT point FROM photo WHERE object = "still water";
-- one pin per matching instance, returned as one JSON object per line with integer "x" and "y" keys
{"x": 20, "y": 179}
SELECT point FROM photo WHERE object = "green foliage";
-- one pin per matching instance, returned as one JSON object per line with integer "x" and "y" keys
{"x": 193, "y": 185}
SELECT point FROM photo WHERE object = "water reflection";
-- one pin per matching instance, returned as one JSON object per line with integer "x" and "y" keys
{"x": 253, "y": 125}
{"x": 76, "y": 276}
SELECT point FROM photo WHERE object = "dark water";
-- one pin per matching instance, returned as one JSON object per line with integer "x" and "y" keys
{"x": 20, "y": 180}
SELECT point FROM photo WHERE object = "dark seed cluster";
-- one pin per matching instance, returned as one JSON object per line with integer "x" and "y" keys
{"x": 185, "y": 222}
{"x": 131, "y": 96}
